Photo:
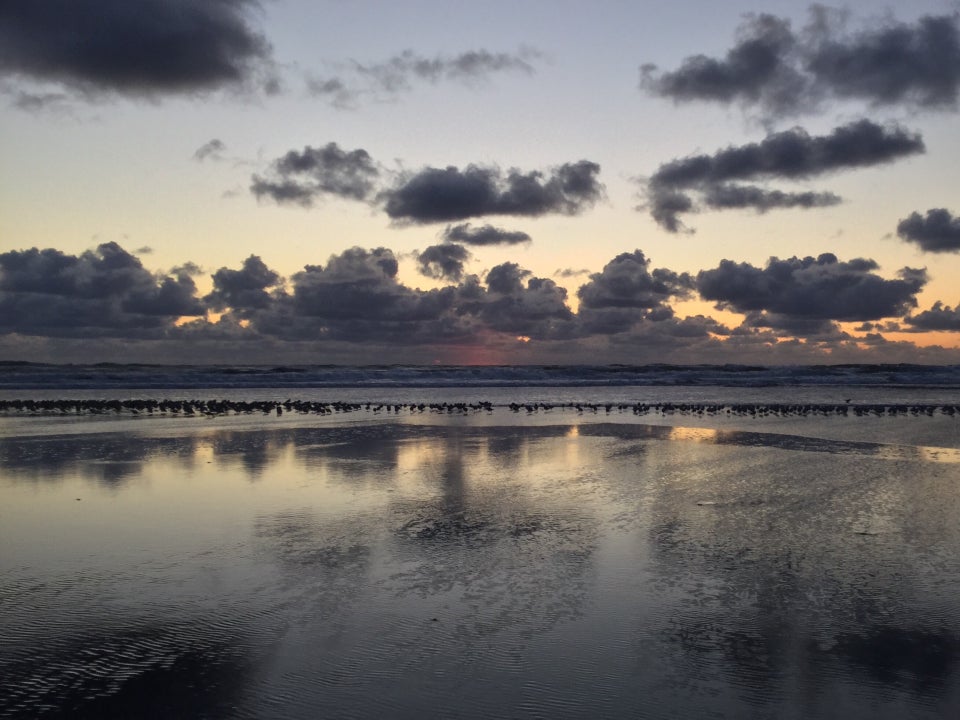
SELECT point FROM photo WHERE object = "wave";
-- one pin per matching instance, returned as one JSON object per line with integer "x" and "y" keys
{"x": 27, "y": 376}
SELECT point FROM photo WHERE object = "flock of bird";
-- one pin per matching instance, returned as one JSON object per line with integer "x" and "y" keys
{"x": 271, "y": 407}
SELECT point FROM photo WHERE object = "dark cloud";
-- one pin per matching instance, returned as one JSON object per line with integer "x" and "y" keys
{"x": 437, "y": 195}
{"x": 483, "y": 235}
{"x": 803, "y": 296}
{"x": 244, "y": 290}
{"x": 750, "y": 196}
{"x": 155, "y": 47}
{"x": 627, "y": 291}
{"x": 938, "y": 317}
{"x": 914, "y": 65}
{"x": 939, "y": 231}
{"x": 443, "y": 262}
{"x": 211, "y": 150}
{"x": 355, "y": 309}
{"x": 106, "y": 292}
{"x": 518, "y": 303}
{"x": 791, "y": 154}
{"x": 758, "y": 69}
{"x": 917, "y": 65}
{"x": 302, "y": 177}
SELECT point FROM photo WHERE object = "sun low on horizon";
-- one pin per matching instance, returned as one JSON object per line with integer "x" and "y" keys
{"x": 429, "y": 182}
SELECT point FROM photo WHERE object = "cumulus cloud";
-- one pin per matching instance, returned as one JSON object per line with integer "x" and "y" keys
{"x": 484, "y": 235}
{"x": 626, "y": 291}
{"x": 355, "y": 308}
{"x": 758, "y": 69}
{"x": 938, "y": 317}
{"x": 247, "y": 289}
{"x": 431, "y": 194}
{"x": 437, "y": 195}
{"x": 805, "y": 296}
{"x": 518, "y": 303}
{"x": 302, "y": 177}
{"x": 158, "y": 47}
{"x": 939, "y": 231}
{"x": 402, "y": 71}
{"x": 443, "y": 262}
{"x": 783, "y": 72}
{"x": 102, "y": 292}
{"x": 788, "y": 155}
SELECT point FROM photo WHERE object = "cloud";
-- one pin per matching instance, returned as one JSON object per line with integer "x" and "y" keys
{"x": 939, "y": 231}
{"x": 443, "y": 262}
{"x": 399, "y": 73}
{"x": 916, "y": 65}
{"x": 938, "y": 317}
{"x": 302, "y": 177}
{"x": 782, "y": 72}
{"x": 483, "y": 235}
{"x": 520, "y": 304}
{"x": 211, "y": 150}
{"x": 750, "y": 196}
{"x": 244, "y": 290}
{"x": 336, "y": 90}
{"x": 438, "y": 195}
{"x": 804, "y": 296}
{"x": 571, "y": 272}
{"x": 791, "y": 155}
{"x": 159, "y": 47}
{"x": 396, "y": 73}
{"x": 626, "y": 291}
{"x": 758, "y": 69}
{"x": 104, "y": 292}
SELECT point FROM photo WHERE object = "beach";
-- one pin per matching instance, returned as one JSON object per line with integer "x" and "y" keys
{"x": 489, "y": 563}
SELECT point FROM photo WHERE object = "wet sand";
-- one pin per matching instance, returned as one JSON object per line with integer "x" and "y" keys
{"x": 494, "y": 565}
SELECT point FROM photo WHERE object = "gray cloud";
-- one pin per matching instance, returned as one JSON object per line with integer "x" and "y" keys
{"x": 939, "y": 231}
{"x": 164, "y": 46}
{"x": 790, "y": 154}
{"x": 518, "y": 303}
{"x": 106, "y": 292}
{"x": 334, "y": 89}
{"x": 355, "y": 308}
{"x": 302, "y": 177}
{"x": 244, "y": 290}
{"x": 626, "y": 291}
{"x": 750, "y": 196}
{"x": 803, "y": 296}
{"x": 396, "y": 73}
{"x": 354, "y": 81}
{"x": 431, "y": 194}
{"x": 443, "y": 262}
{"x": 917, "y": 64}
{"x": 758, "y": 69}
{"x": 483, "y": 235}
{"x": 437, "y": 195}
{"x": 210, "y": 150}
{"x": 938, "y": 317}
{"x": 782, "y": 72}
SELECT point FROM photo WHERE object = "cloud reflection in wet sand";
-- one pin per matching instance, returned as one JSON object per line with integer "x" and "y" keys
{"x": 476, "y": 571}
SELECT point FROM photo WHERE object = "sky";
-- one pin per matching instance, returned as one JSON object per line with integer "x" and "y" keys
{"x": 294, "y": 181}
